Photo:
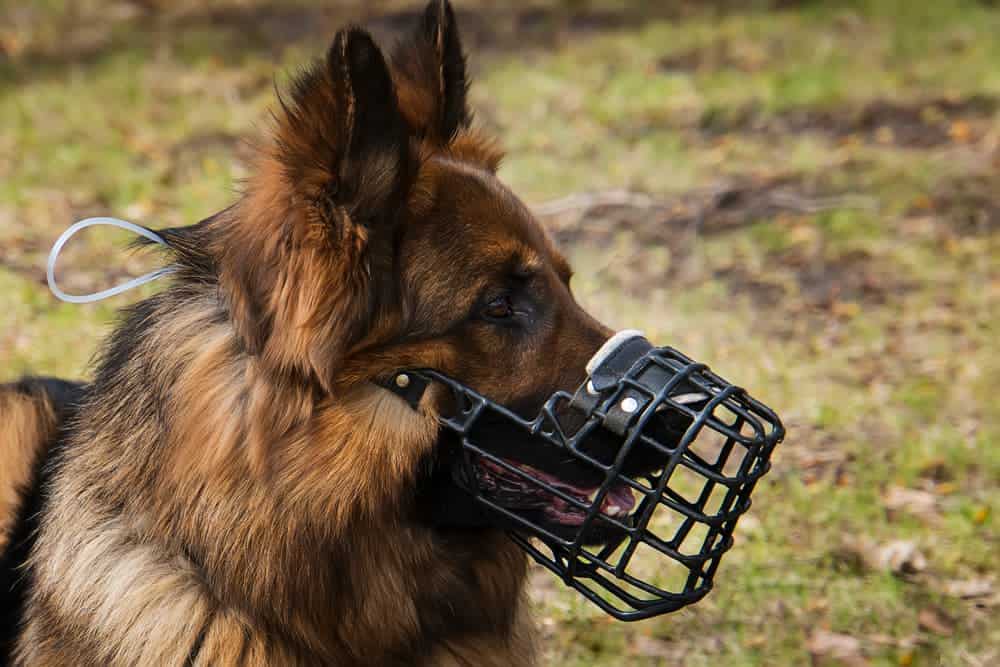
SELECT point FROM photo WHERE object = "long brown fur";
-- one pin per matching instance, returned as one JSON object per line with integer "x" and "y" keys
{"x": 235, "y": 489}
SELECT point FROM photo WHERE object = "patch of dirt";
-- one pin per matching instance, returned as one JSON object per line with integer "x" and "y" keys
{"x": 817, "y": 456}
{"x": 724, "y": 54}
{"x": 186, "y": 155}
{"x": 918, "y": 124}
{"x": 651, "y": 240}
{"x": 967, "y": 206}
{"x": 207, "y": 142}
{"x": 724, "y": 207}
{"x": 641, "y": 235}
{"x": 840, "y": 285}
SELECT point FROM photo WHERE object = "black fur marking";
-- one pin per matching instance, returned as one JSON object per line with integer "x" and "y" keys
{"x": 199, "y": 641}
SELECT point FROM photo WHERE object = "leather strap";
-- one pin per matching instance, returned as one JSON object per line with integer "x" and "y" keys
{"x": 614, "y": 363}
{"x": 408, "y": 386}
{"x": 612, "y": 366}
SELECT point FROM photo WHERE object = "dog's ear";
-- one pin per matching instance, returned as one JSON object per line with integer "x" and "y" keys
{"x": 430, "y": 75}
{"x": 343, "y": 142}
{"x": 302, "y": 252}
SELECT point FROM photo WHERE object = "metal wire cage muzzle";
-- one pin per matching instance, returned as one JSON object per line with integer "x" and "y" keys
{"x": 662, "y": 555}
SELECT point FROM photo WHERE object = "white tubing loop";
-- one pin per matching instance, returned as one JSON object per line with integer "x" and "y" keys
{"x": 50, "y": 271}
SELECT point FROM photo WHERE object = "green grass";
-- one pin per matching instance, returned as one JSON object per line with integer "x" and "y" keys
{"x": 873, "y": 330}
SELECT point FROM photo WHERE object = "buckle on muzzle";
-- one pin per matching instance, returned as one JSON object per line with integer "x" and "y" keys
{"x": 675, "y": 445}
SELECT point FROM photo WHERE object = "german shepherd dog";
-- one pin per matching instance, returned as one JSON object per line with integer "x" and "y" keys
{"x": 235, "y": 486}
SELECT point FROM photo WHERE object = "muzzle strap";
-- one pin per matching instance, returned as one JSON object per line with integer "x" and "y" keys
{"x": 408, "y": 386}
{"x": 613, "y": 362}
{"x": 605, "y": 370}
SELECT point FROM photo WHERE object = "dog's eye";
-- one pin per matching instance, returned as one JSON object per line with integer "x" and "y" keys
{"x": 499, "y": 308}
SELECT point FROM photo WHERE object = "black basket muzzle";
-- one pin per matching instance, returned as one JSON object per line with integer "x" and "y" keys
{"x": 677, "y": 451}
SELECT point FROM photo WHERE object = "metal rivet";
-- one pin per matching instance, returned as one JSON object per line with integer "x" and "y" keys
{"x": 402, "y": 380}
{"x": 590, "y": 388}
{"x": 630, "y": 405}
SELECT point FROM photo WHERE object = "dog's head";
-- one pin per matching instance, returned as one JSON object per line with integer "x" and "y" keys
{"x": 375, "y": 236}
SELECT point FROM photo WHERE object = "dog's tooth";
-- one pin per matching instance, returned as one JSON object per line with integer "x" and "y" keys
{"x": 614, "y": 510}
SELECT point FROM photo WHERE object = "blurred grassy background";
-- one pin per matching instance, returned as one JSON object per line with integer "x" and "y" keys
{"x": 822, "y": 224}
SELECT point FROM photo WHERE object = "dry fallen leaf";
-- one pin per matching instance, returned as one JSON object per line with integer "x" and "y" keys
{"x": 960, "y": 131}
{"x": 933, "y": 620}
{"x": 968, "y": 589}
{"x": 885, "y": 135}
{"x": 817, "y": 606}
{"x": 982, "y": 592}
{"x": 651, "y": 647}
{"x": 922, "y": 504}
{"x": 980, "y": 515}
{"x": 946, "y": 488}
{"x": 900, "y": 557}
{"x": 829, "y": 648}
{"x": 853, "y": 555}
{"x": 845, "y": 309}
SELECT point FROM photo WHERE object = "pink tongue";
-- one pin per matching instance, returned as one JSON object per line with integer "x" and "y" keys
{"x": 619, "y": 496}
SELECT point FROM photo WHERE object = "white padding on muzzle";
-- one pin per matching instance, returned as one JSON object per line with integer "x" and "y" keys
{"x": 610, "y": 345}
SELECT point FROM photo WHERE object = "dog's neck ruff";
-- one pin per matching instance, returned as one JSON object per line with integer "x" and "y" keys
{"x": 50, "y": 270}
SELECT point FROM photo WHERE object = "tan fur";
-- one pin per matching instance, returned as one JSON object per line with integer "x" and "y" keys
{"x": 474, "y": 147}
{"x": 28, "y": 425}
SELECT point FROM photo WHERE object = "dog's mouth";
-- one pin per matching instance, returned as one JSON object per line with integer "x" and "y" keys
{"x": 564, "y": 473}
{"x": 511, "y": 490}
{"x": 539, "y": 485}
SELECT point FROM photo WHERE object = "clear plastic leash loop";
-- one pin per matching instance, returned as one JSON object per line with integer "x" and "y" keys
{"x": 57, "y": 247}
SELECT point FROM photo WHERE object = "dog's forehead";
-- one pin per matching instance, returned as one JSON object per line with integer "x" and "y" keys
{"x": 477, "y": 208}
